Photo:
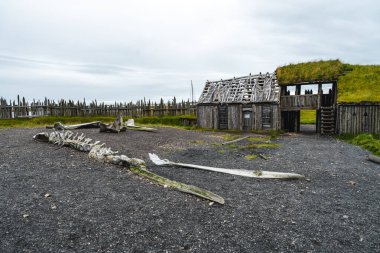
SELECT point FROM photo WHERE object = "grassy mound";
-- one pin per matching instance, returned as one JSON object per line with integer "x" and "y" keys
{"x": 361, "y": 83}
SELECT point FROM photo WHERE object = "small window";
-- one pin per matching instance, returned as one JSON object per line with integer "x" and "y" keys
{"x": 309, "y": 89}
{"x": 327, "y": 88}
{"x": 290, "y": 90}
{"x": 247, "y": 115}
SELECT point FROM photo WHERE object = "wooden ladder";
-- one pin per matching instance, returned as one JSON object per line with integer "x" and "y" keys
{"x": 327, "y": 121}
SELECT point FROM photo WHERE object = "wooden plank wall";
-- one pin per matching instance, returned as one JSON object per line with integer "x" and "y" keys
{"x": 300, "y": 101}
{"x": 235, "y": 117}
{"x": 257, "y": 123}
{"x": 206, "y": 116}
{"x": 359, "y": 118}
{"x": 257, "y": 117}
{"x": 276, "y": 117}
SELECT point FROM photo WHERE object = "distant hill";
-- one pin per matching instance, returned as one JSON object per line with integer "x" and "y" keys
{"x": 356, "y": 83}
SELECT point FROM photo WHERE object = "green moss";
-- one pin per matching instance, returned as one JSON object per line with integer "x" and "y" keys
{"x": 250, "y": 157}
{"x": 221, "y": 151}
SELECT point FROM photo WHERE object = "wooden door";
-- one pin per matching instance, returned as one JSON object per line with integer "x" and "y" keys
{"x": 266, "y": 116}
{"x": 247, "y": 120}
{"x": 223, "y": 117}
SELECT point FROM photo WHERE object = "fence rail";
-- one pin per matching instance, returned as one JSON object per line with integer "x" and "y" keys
{"x": 142, "y": 108}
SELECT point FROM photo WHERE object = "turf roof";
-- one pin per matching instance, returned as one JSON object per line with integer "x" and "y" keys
{"x": 317, "y": 71}
{"x": 356, "y": 83}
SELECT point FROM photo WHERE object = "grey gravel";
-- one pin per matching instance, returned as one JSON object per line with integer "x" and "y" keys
{"x": 95, "y": 207}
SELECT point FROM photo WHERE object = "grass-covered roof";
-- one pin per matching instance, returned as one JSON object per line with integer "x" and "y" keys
{"x": 356, "y": 83}
{"x": 317, "y": 71}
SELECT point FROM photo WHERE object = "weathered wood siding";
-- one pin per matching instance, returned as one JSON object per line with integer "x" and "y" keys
{"x": 358, "y": 118}
{"x": 276, "y": 117}
{"x": 235, "y": 117}
{"x": 257, "y": 119}
{"x": 257, "y": 122}
{"x": 296, "y": 102}
{"x": 206, "y": 115}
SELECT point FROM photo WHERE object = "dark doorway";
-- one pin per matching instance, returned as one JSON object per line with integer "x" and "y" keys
{"x": 223, "y": 117}
{"x": 290, "y": 121}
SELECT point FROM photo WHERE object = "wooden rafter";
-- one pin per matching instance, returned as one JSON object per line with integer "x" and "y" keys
{"x": 247, "y": 89}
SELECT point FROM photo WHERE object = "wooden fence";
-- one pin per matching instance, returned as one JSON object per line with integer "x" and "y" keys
{"x": 142, "y": 108}
{"x": 358, "y": 118}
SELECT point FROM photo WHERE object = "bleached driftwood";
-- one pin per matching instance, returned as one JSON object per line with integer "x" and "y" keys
{"x": 374, "y": 158}
{"x": 244, "y": 173}
{"x": 131, "y": 125}
{"x": 115, "y": 127}
{"x": 236, "y": 140}
{"x": 99, "y": 152}
{"x": 60, "y": 126}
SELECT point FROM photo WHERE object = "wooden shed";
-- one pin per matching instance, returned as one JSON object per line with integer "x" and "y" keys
{"x": 244, "y": 103}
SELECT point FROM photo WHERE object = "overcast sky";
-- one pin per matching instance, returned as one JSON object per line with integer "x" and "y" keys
{"x": 124, "y": 50}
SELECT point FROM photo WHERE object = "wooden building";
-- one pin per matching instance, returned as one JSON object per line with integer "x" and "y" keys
{"x": 318, "y": 95}
{"x": 244, "y": 103}
{"x": 274, "y": 101}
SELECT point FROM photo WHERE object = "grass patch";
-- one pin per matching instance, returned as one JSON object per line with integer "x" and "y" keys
{"x": 308, "y": 117}
{"x": 250, "y": 157}
{"x": 50, "y": 120}
{"x": 221, "y": 151}
{"x": 259, "y": 139}
{"x": 309, "y": 72}
{"x": 253, "y": 146}
{"x": 174, "y": 121}
{"x": 197, "y": 142}
{"x": 369, "y": 142}
{"x": 361, "y": 83}
{"x": 229, "y": 137}
{"x": 165, "y": 120}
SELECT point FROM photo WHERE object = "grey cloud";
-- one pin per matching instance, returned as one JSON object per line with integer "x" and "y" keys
{"x": 126, "y": 50}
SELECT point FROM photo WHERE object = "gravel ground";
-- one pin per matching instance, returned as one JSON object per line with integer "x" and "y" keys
{"x": 58, "y": 200}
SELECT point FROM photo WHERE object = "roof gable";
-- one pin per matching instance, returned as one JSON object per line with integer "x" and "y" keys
{"x": 247, "y": 89}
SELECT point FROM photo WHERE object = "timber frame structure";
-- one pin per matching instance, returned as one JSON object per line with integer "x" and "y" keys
{"x": 274, "y": 101}
{"x": 323, "y": 101}
{"x": 245, "y": 103}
